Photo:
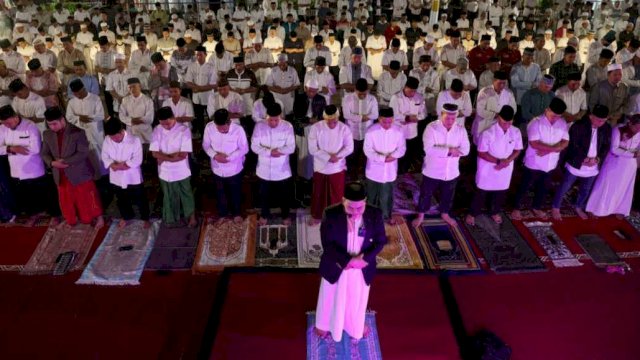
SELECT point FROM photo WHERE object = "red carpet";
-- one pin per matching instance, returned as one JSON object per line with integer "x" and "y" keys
{"x": 17, "y": 243}
{"x": 264, "y": 317}
{"x": 577, "y": 313}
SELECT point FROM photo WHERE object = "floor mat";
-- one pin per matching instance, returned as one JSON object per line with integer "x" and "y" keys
{"x": 226, "y": 243}
{"x": 445, "y": 247}
{"x": 276, "y": 244}
{"x": 368, "y": 348}
{"x": 555, "y": 248}
{"x": 174, "y": 249}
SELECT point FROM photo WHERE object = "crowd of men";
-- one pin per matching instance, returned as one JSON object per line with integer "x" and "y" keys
{"x": 322, "y": 93}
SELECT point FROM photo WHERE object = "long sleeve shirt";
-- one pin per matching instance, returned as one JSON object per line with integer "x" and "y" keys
{"x": 33, "y": 107}
{"x": 463, "y": 102}
{"x": 378, "y": 144}
{"x": 324, "y": 141}
{"x": 118, "y": 82}
{"x": 172, "y": 141}
{"x": 488, "y": 104}
{"x": 234, "y": 102}
{"x": 201, "y": 74}
{"x": 613, "y": 97}
{"x": 389, "y": 86}
{"x": 264, "y": 140}
{"x": 233, "y": 144}
{"x": 138, "y": 107}
{"x": 524, "y": 78}
{"x": 403, "y": 107}
{"x": 324, "y": 79}
{"x": 540, "y": 129}
{"x": 26, "y": 134}
{"x": 429, "y": 79}
{"x": 90, "y": 106}
{"x": 355, "y": 109}
{"x": 437, "y": 142}
{"x": 128, "y": 151}
{"x": 534, "y": 102}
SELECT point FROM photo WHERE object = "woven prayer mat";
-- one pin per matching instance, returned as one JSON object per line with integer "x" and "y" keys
{"x": 226, "y": 243}
{"x": 58, "y": 240}
{"x": 276, "y": 244}
{"x": 22, "y": 222}
{"x": 445, "y": 247}
{"x": 558, "y": 252}
{"x": 367, "y": 348}
{"x": 503, "y": 247}
{"x": 406, "y": 193}
{"x": 174, "y": 248}
{"x": 309, "y": 243}
{"x": 114, "y": 263}
{"x": 598, "y": 250}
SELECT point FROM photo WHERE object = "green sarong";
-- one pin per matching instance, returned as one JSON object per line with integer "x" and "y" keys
{"x": 177, "y": 196}
{"x": 380, "y": 195}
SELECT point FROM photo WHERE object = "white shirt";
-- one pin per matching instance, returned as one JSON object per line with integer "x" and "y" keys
{"x": 177, "y": 139}
{"x": 353, "y": 109}
{"x": 90, "y": 106}
{"x": 467, "y": 78}
{"x": 437, "y": 141}
{"x": 324, "y": 141}
{"x": 429, "y": 79}
{"x": 117, "y": 81}
{"x": 128, "y": 151}
{"x": 576, "y": 100}
{"x": 201, "y": 74}
{"x": 31, "y": 107}
{"x": 388, "y": 56}
{"x": 264, "y": 140}
{"x": 404, "y": 106}
{"x": 324, "y": 79}
{"x": 451, "y": 54}
{"x": 378, "y": 143}
{"x": 584, "y": 170}
{"x": 233, "y": 102}
{"x": 488, "y": 104}
{"x": 334, "y": 49}
{"x": 184, "y": 107}
{"x": 499, "y": 144}
{"x": 540, "y": 129}
{"x": 233, "y": 144}
{"x": 388, "y": 86}
{"x": 14, "y": 61}
{"x": 140, "y": 107}
{"x": 48, "y": 59}
{"x": 26, "y": 134}
{"x": 463, "y": 102}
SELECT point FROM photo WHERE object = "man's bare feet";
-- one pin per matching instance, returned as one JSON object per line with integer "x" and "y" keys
{"x": 470, "y": 220}
{"x": 238, "y": 219}
{"x": 619, "y": 216}
{"x": 193, "y": 221}
{"x": 262, "y": 221}
{"x": 555, "y": 214}
{"x": 313, "y": 222}
{"x": 286, "y": 221}
{"x": 146, "y": 225}
{"x": 418, "y": 220}
{"x": 122, "y": 223}
{"x": 320, "y": 333}
{"x": 516, "y": 215}
{"x": 581, "y": 214}
{"x": 541, "y": 214}
{"x": 497, "y": 218}
{"x": 99, "y": 223}
{"x": 448, "y": 219}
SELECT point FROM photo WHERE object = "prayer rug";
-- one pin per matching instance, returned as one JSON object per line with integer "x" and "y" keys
{"x": 174, "y": 248}
{"x": 42, "y": 221}
{"x": 367, "y": 348}
{"x": 634, "y": 220}
{"x": 58, "y": 240}
{"x": 445, "y": 247}
{"x": 503, "y": 247}
{"x": 309, "y": 243}
{"x": 276, "y": 243}
{"x": 225, "y": 243}
{"x": 598, "y": 250}
{"x": 558, "y": 252}
{"x": 121, "y": 257}
{"x": 406, "y": 193}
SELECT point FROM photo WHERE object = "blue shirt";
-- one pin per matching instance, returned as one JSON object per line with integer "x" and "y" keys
{"x": 90, "y": 83}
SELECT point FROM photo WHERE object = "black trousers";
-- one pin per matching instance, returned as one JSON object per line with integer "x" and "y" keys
{"x": 429, "y": 186}
{"x": 274, "y": 194}
{"x": 198, "y": 118}
{"x": 36, "y": 195}
{"x": 412, "y": 156}
{"x": 496, "y": 201}
{"x": 108, "y": 99}
{"x": 539, "y": 179}
{"x": 132, "y": 195}
{"x": 228, "y": 194}
{"x": 356, "y": 161}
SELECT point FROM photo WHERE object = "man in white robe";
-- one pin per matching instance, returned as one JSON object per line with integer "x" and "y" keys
{"x": 137, "y": 111}
{"x": 282, "y": 82}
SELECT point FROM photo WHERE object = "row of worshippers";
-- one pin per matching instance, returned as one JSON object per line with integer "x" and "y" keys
{"x": 595, "y": 155}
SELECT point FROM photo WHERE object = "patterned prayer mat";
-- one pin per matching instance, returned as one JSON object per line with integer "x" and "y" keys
{"x": 406, "y": 192}
{"x": 503, "y": 247}
{"x": 598, "y": 250}
{"x": 174, "y": 248}
{"x": 400, "y": 252}
{"x": 58, "y": 240}
{"x": 558, "y": 252}
{"x": 121, "y": 257}
{"x": 22, "y": 221}
{"x": 225, "y": 243}
{"x": 634, "y": 220}
{"x": 276, "y": 244}
{"x": 367, "y": 348}
{"x": 445, "y": 247}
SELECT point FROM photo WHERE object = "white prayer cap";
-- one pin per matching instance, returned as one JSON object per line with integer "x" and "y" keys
{"x": 37, "y": 42}
{"x": 120, "y": 56}
{"x": 585, "y": 14}
{"x": 250, "y": 23}
{"x": 174, "y": 16}
{"x": 312, "y": 84}
{"x": 629, "y": 23}
{"x": 257, "y": 40}
{"x": 187, "y": 35}
{"x": 613, "y": 67}
{"x": 83, "y": 26}
{"x": 283, "y": 57}
{"x": 548, "y": 31}
{"x": 625, "y": 15}
{"x": 103, "y": 24}
{"x": 429, "y": 40}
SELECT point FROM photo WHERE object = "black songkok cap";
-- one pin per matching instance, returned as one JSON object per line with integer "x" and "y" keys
{"x": 395, "y": 42}
{"x": 164, "y": 113}
{"x": 320, "y": 61}
{"x": 600, "y": 111}
{"x": 76, "y": 85}
{"x": 457, "y": 85}
{"x": 274, "y": 110}
{"x": 6, "y": 112}
{"x": 386, "y": 112}
{"x": 362, "y": 84}
{"x": 201, "y": 48}
{"x": 156, "y": 58}
{"x": 575, "y": 76}
{"x": 557, "y": 106}
{"x": 16, "y": 85}
{"x": 450, "y": 108}
{"x": 318, "y": 39}
{"x": 412, "y": 83}
{"x": 500, "y": 75}
{"x": 394, "y": 65}
{"x": 103, "y": 40}
{"x": 133, "y": 80}
{"x": 507, "y": 113}
{"x": 221, "y": 117}
{"x": 606, "y": 54}
{"x": 113, "y": 126}
{"x": 34, "y": 64}
{"x": 485, "y": 37}
{"x": 53, "y": 113}
{"x": 141, "y": 38}
{"x": 79, "y": 63}
{"x": 355, "y": 191}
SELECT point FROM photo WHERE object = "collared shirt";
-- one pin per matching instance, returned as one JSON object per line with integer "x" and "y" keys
{"x": 463, "y": 102}
{"x": 561, "y": 72}
{"x": 488, "y": 104}
{"x": 184, "y": 107}
{"x": 138, "y": 107}
{"x": 324, "y": 79}
{"x": 47, "y": 81}
{"x": 576, "y": 100}
{"x": 613, "y": 97}
{"x": 584, "y": 170}
{"x": 378, "y": 144}
{"x": 66, "y": 59}
{"x": 201, "y": 74}
{"x": 451, "y": 54}
{"x": 429, "y": 79}
{"x": 90, "y": 106}
{"x": 48, "y": 59}
{"x": 404, "y": 106}
{"x": 32, "y": 107}
{"x": 175, "y": 140}
{"x": 467, "y": 78}
{"x": 312, "y": 53}
{"x": 284, "y": 79}
{"x": 90, "y": 84}
{"x": 388, "y": 56}
{"x": 181, "y": 62}
{"x": 419, "y": 51}
{"x": 264, "y": 140}
{"x": 389, "y": 86}
{"x": 534, "y": 102}
{"x": 524, "y": 78}
{"x": 233, "y": 144}
{"x": 346, "y": 75}
{"x": 540, "y": 129}
{"x": 499, "y": 144}
{"x": 26, "y": 134}
{"x": 353, "y": 109}
{"x": 594, "y": 75}
{"x": 222, "y": 65}
{"x": 106, "y": 60}
{"x": 324, "y": 141}
{"x": 437, "y": 141}
{"x": 117, "y": 81}
{"x": 14, "y": 61}
{"x": 233, "y": 102}
{"x": 345, "y": 56}
{"x": 128, "y": 151}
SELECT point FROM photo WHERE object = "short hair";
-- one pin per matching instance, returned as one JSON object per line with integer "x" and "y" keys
{"x": 113, "y": 126}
